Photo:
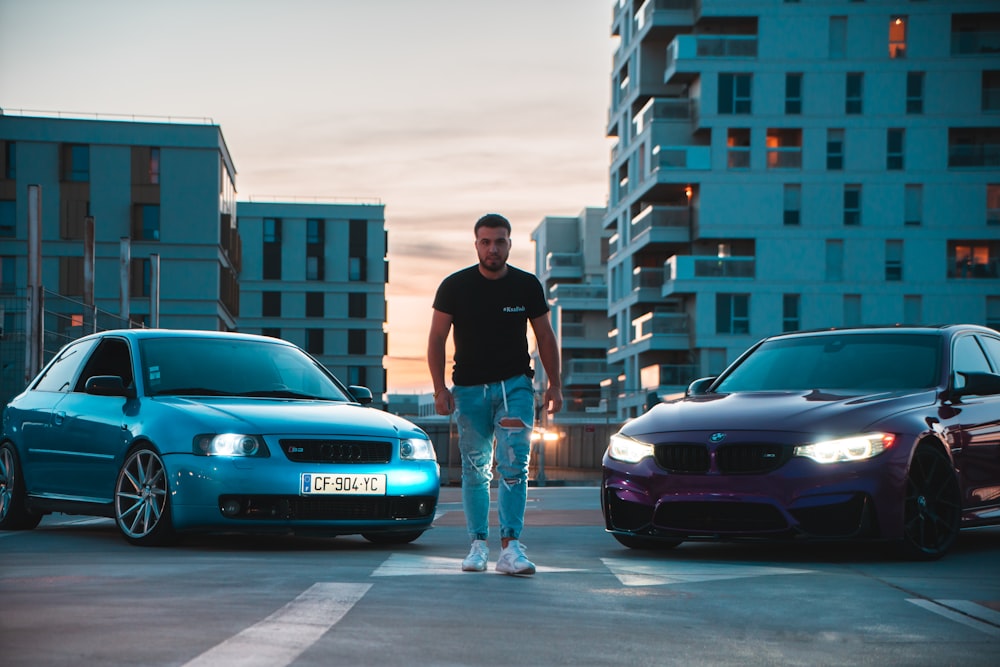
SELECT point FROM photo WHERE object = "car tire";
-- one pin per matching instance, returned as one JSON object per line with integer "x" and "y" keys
{"x": 14, "y": 512}
{"x": 646, "y": 543}
{"x": 932, "y": 507}
{"x": 142, "y": 499}
{"x": 392, "y": 538}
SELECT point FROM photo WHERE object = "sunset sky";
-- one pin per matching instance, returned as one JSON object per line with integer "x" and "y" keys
{"x": 441, "y": 109}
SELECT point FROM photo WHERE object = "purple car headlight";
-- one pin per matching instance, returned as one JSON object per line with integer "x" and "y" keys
{"x": 854, "y": 448}
{"x": 230, "y": 444}
{"x": 629, "y": 450}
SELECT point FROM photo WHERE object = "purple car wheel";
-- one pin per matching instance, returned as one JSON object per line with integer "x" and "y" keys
{"x": 932, "y": 508}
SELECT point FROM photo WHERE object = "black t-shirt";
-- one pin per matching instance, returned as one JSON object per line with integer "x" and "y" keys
{"x": 489, "y": 320}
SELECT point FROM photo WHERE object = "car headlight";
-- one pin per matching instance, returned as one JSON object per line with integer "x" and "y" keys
{"x": 416, "y": 449}
{"x": 854, "y": 448}
{"x": 230, "y": 444}
{"x": 629, "y": 450}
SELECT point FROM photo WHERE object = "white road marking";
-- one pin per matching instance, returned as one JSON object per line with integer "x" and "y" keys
{"x": 406, "y": 565}
{"x": 284, "y": 635}
{"x": 631, "y": 572}
{"x": 965, "y": 612}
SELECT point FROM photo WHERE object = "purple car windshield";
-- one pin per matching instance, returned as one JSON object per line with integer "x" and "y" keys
{"x": 857, "y": 362}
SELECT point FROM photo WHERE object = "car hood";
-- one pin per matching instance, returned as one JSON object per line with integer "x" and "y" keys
{"x": 290, "y": 417}
{"x": 812, "y": 411}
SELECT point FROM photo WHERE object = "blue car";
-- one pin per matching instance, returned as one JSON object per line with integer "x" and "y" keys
{"x": 170, "y": 432}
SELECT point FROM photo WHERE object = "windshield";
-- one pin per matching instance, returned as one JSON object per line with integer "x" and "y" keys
{"x": 233, "y": 367}
{"x": 875, "y": 361}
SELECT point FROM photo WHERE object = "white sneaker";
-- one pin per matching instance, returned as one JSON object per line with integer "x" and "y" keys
{"x": 478, "y": 555}
{"x": 513, "y": 561}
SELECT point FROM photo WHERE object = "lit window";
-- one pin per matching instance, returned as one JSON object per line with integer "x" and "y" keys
{"x": 897, "y": 37}
{"x": 784, "y": 148}
{"x": 738, "y": 143}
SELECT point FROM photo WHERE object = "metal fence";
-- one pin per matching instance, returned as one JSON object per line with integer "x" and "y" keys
{"x": 64, "y": 319}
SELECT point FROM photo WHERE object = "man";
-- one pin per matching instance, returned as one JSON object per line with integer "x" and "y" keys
{"x": 489, "y": 305}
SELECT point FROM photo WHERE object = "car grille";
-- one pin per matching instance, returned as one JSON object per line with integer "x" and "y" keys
{"x": 739, "y": 459}
{"x": 709, "y": 517}
{"x": 268, "y": 507}
{"x": 337, "y": 451}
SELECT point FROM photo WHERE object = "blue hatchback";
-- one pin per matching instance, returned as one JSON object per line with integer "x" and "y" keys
{"x": 179, "y": 431}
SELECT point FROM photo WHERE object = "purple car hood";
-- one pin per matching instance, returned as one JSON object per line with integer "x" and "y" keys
{"x": 290, "y": 417}
{"x": 799, "y": 411}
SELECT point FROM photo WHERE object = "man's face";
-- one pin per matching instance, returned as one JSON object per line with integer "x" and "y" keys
{"x": 493, "y": 247}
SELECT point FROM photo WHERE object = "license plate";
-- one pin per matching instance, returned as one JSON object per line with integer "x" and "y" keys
{"x": 342, "y": 484}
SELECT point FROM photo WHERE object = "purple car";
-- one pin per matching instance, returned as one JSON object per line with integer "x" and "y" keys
{"x": 888, "y": 433}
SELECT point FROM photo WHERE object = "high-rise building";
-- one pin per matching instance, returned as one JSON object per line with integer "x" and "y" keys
{"x": 315, "y": 274}
{"x": 796, "y": 165}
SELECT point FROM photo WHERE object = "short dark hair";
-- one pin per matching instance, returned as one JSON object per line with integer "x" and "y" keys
{"x": 492, "y": 220}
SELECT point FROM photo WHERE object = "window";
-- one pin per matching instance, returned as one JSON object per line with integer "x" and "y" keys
{"x": 8, "y": 273}
{"x": 738, "y": 143}
{"x": 993, "y": 204}
{"x": 732, "y": 313}
{"x": 793, "y": 93}
{"x": 357, "y": 269}
{"x": 72, "y": 212}
{"x": 76, "y": 163}
{"x": 834, "y": 150}
{"x": 897, "y": 37}
{"x": 272, "y": 249}
{"x": 784, "y": 148}
{"x": 853, "y": 89}
{"x": 852, "y": 205}
{"x": 975, "y": 147}
{"x": 357, "y": 341}
{"x": 893, "y": 260}
{"x": 314, "y": 231}
{"x": 357, "y": 250}
{"x": 735, "y": 93}
{"x": 973, "y": 259}
{"x": 838, "y": 37}
{"x": 913, "y": 203}
{"x": 146, "y": 224}
{"x": 8, "y": 217}
{"x": 141, "y": 277}
{"x": 270, "y": 304}
{"x": 792, "y": 203}
{"x": 914, "y": 92}
{"x": 315, "y": 304}
{"x": 913, "y": 309}
{"x": 357, "y": 305}
{"x": 273, "y": 332}
{"x": 790, "y": 312}
{"x": 9, "y": 160}
{"x": 314, "y": 341}
{"x": 71, "y": 276}
{"x": 852, "y": 310}
{"x": 314, "y": 267}
{"x": 894, "y": 149}
{"x": 991, "y": 91}
{"x": 834, "y": 260}
{"x": 154, "y": 166}
{"x": 357, "y": 376}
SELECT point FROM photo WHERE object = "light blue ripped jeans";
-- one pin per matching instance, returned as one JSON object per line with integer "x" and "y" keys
{"x": 480, "y": 409}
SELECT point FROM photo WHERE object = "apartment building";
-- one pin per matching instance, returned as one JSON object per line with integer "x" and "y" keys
{"x": 788, "y": 165}
{"x": 315, "y": 274}
{"x": 570, "y": 258}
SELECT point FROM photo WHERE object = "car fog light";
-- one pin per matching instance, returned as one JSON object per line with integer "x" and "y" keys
{"x": 424, "y": 508}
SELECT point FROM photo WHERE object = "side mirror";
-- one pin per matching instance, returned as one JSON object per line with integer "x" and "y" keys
{"x": 699, "y": 387}
{"x": 362, "y": 395}
{"x": 978, "y": 384}
{"x": 108, "y": 385}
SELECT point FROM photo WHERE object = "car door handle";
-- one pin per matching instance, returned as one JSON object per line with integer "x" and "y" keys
{"x": 58, "y": 417}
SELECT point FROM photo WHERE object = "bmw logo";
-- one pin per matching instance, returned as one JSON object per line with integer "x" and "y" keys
{"x": 718, "y": 437}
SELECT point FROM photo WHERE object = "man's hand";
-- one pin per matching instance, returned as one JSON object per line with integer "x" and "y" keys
{"x": 553, "y": 400}
{"x": 444, "y": 402}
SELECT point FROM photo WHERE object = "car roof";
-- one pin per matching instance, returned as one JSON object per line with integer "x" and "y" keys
{"x": 931, "y": 329}
{"x": 145, "y": 334}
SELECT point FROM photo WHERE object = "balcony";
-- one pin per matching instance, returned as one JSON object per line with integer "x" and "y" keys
{"x": 656, "y": 14}
{"x": 672, "y": 377}
{"x": 647, "y": 283}
{"x": 564, "y": 265}
{"x": 580, "y": 296}
{"x": 694, "y": 158}
{"x": 661, "y": 109}
{"x": 685, "y": 52}
{"x": 585, "y": 372}
{"x": 974, "y": 156}
{"x": 660, "y": 331}
{"x": 681, "y": 271}
{"x": 661, "y": 224}
{"x": 975, "y": 43}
